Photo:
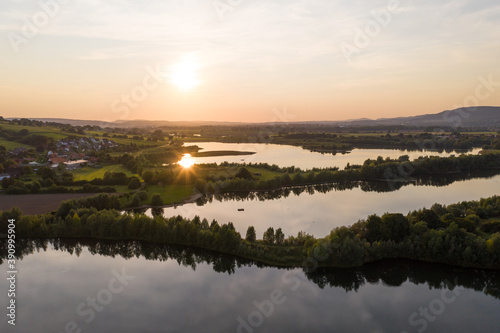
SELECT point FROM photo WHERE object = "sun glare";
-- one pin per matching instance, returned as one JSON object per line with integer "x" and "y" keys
{"x": 183, "y": 74}
{"x": 186, "y": 161}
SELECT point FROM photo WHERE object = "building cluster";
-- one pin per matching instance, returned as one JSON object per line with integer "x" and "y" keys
{"x": 84, "y": 144}
{"x": 70, "y": 151}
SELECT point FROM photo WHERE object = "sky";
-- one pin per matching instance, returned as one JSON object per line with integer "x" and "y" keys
{"x": 246, "y": 60}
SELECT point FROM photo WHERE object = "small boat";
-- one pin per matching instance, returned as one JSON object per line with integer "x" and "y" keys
{"x": 240, "y": 209}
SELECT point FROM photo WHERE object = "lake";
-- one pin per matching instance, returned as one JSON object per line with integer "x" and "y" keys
{"x": 285, "y": 156}
{"x": 168, "y": 289}
{"x": 318, "y": 213}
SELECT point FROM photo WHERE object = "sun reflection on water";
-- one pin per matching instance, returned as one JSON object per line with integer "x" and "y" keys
{"x": 187, "y": 161}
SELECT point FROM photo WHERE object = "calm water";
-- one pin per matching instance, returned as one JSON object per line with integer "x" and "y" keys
{"x": 318, "y": 213}
{"x": 285, "y": 156}
{"x": 210, "y": 293}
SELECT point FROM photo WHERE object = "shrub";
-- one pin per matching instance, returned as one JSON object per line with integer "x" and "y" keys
{"x": 156, "y": 200}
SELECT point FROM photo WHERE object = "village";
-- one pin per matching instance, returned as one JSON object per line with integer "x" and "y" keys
{"x": 72, "y": 152}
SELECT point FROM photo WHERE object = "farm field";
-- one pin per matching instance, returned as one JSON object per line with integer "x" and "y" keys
{"x": 38, "y": 203}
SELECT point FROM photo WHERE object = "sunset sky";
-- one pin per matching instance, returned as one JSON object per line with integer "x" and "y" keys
{"x": 238, "y": 60}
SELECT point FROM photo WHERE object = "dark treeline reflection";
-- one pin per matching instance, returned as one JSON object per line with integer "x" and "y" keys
{"x": 395, "y": 272}
{"x": 366, "y": 186}
{"x": 389, "y": 272}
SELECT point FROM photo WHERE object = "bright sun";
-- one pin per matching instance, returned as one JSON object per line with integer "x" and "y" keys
{"x": 186, "y": 161}
{"x": 183, "y": 74}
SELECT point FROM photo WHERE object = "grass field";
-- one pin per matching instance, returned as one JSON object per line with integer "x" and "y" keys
{"x": 57, "y": 134}
{"x": 9, "y": 145}
{"x": 490, "y": 151}
{"x": 88, "y": 173}
{"x": 45, "y": 130}
{"x": 264, "y": 173}
{"x": 232, "y": 170}
{"x": 170, "y": 193}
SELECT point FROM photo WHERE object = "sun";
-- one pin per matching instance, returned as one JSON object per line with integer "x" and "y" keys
{"x": 183, "y": 74}
{"x": 186, "y": 161}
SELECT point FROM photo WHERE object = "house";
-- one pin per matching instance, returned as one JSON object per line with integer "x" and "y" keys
{"x": 17, "y": 151}
{"x": 54, "y": 161}
{"x": 76, "y": 156}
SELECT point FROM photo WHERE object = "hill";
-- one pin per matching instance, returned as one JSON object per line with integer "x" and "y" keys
{"x": 483, "y": 116}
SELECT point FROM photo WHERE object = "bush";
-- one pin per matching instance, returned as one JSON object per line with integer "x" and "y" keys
{"x": 243, "y": 173}
{"x": 134, "y": 184}
{"x": 142, "y": 195}
{"x": 156, "y": 200}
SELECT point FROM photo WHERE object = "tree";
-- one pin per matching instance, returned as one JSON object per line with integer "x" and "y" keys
{"x": 61, "y": 167}
{"x": 148, "y": 176}
{"x": 431, "y": 218}
{"x": 35, "y": 187}
{"x": 251, "y": 236}
{"x": 158, "y": 135}
{"x": 134, "y": 183}
{"x": 156, "y": 200}
{"x": 7, "y": 182}
{"x": 373, "y": 228}
{"x": 395, "y": 227}
{"x": 279, "y": 236}
{"x": 165, "y": 177}
{"x": 26, "y": 170}
{"x": 269, "y": 236}
{"x": 46, "y": 173}
{"x": 136, "y": 201}
{"x": 243, "y": 173}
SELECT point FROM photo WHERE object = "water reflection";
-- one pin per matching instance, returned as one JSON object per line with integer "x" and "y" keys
{"x": 286, "y": 156}
{"x": 365, "y": 186}
{"x": 186, "y": 290}
{"x": 389, "y": 272}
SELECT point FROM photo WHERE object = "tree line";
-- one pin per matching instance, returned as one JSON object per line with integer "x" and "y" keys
{"x": 389, "y": 170}
{"x": 463, "y": 234}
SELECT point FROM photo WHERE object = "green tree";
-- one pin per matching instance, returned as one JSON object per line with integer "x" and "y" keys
{"x": 269, "y": 236}
{"x": 429, "y": 217}
{"x": 136, "y": 201}
{"x": 148, "y": 176}
{"x": 158, "y": 135}
{"x": 134, "y": 183}
{"x": 396, "y": 227}
{"x": 279, "y": 236}
{"x": 35, "y": 187}
{"x": 251, "y": 236}
{"x": 46, "y": 173}
{"x": 373, "y": 228}
{"x": 243, "y": 173}
{"x": 26, "y": 170}
{"x": 156, "y": 200}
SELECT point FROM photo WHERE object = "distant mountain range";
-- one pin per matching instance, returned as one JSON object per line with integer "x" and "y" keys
{"x": 484, "y": 116}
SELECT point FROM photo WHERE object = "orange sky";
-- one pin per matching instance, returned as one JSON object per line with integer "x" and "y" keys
{"x": 199, "y": 60}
